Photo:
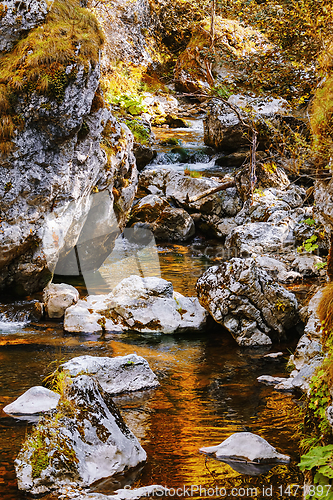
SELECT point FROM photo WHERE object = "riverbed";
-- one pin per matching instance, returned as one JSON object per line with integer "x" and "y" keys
{"x": 208, "y": 383}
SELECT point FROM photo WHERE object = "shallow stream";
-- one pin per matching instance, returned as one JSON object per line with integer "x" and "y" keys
{"x": 208, "y": 387}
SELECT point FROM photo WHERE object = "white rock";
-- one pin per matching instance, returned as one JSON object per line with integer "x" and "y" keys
{"x": 269, "y": 380}
{"x": 306, "y": 264}
{"x": 140, "y": 304}
{"x": 115, "y": 375}
{"x": 35, "y": 400}
{"x": 286, "y": 385}
{"x": 273, "y": 355}
{"x": 58, "y": 297}
{"x": 246, "y": 446}
{"x": 261, "y": 237}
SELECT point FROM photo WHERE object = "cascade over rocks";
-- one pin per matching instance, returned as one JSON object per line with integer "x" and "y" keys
{"x": 84, "y": 439}
{"x": 247, "y": 302}
{"x": 57, "y": 177}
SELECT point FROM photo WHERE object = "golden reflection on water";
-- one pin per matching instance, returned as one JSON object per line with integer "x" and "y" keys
{"x": 208, "y": 391}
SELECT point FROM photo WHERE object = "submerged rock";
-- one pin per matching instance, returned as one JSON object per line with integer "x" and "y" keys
{"x": 139, "y": 304}
{"x": 115, "y": 375}
{"x": 34, "y": 401}
{"x": 246, "y": 446}
{"x": 84, "y": 440}
{"x": 247, "y": 302}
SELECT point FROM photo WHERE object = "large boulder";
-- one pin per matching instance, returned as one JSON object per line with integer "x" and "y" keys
{"x": 247, "y": 302}
{"x": 115, "y": 375}
{"x": 261, "y": 237}
{"x": 173, "y": 224}
{"x": 224, "y": 129}
{"x": 83, "y": 440}
{"x": 68, "y": 164}
{"x": 265, "y": 202}
{"x": 148, "y": 209}
{"x": 139, "y": 304}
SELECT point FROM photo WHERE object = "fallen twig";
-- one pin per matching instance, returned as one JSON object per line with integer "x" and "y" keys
{"x": 216, "y": 189}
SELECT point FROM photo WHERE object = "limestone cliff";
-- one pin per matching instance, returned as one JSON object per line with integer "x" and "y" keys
{"x": 64, "y": 157}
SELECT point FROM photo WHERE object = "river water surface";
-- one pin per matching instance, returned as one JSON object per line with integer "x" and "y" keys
{"x": 208, "y": 390}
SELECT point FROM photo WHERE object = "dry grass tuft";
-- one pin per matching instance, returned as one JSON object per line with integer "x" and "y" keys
{"x": 70, "y": 37}
{"x": 325, "y": 312}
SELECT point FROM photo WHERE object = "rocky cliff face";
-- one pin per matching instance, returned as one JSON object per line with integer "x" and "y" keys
{"x": 67, "y": 172}
{"x": 323, "y": 192}
{"x": 129, "y": 28}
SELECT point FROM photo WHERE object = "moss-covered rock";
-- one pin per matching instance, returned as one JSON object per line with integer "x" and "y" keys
{"x": 83, "y": 440}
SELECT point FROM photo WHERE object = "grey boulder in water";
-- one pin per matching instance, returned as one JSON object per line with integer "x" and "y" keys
{"x": 247, "y": 447}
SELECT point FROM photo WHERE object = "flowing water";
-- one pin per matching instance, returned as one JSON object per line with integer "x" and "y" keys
{"x": 208, "y": 385}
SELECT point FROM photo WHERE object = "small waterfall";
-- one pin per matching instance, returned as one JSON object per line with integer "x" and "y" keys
{"x": 14, "y": 316}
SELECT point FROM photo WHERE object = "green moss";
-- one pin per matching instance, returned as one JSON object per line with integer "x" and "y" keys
{"x": 46, "y": 60}
{"x": 8, "y": 186}
{"x": 171, "y": 141}
{"x": 141, "y": 132}
{"x": 39, "y": 459}
{"x": 192, "y": 173}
